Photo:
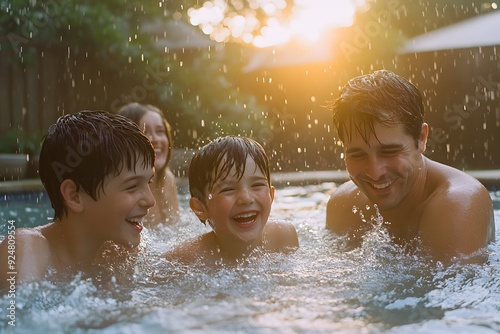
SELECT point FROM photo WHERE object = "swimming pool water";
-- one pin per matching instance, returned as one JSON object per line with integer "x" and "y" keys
{"x": 321, "y": 288}
{"x": 25, "y": 209}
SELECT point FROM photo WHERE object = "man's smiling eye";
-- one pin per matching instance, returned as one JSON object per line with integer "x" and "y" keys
{"x": 357, "y": 155}
{"x": 390, "y": 152}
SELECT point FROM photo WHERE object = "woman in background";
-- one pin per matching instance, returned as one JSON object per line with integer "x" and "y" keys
{"x": 152, "y": 121}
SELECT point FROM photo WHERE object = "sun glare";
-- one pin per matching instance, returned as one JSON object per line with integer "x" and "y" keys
{"x": 308, "y": 20}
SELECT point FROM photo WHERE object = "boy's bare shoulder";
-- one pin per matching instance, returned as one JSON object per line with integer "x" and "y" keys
{"x": 192, "y": 250}
{"x": 32, "y": 254}
{"x": 32, "y": 237}
{"x": 280, "y": 236}
{"x": 278, "y": 227}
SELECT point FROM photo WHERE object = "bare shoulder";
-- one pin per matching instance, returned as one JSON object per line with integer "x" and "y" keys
{"x": 280, "y": 236}
{"x": 32, "y": 239}
{"x": 339, "y": 211}
{"x": 193, "y": 250}
{"x": 452, "y": 187}
{"x": 30, "y": 253}
{"x": 458, "y": 214}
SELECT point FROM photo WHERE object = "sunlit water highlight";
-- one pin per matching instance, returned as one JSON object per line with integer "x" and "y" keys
{"x": 322, "y": 288}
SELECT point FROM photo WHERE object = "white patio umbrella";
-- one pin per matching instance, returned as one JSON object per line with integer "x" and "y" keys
{"x": 481, "y": 30}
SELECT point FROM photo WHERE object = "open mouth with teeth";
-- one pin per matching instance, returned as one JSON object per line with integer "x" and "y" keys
{"x": 246, "y": 220}
{"x": 136, "y": 223}
{"x": 381, "y": 186}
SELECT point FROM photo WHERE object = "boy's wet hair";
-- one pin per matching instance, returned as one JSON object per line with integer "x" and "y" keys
{"x": 87, "y": 147}
{"x": 215, "y": 160}
{"x": 135, "y": 111}
{"x": 382, "y": 97}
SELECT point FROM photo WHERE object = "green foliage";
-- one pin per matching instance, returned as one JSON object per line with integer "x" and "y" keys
{"x": 202, "y": 94}
{"x": 206, "y": 98}
{"x": 107, "y": 37}
{"x": 16, "y": 141}
{"x": 76, "y": 26}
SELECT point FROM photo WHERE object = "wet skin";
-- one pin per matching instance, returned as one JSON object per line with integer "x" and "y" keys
{"x": 237, "y": 209}
{"x": 449, "y": 211}
{"x": 116, "y": 216}
{"x": 164, "y": 186}
{"x": 152, "y": 125}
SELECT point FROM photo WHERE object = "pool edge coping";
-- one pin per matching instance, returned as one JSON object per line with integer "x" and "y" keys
{"x": 487, "y": 177}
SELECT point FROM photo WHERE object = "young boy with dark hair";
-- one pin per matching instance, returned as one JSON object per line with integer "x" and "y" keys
{"x": 96, "y": 168}
{"x": 230, "y": 187}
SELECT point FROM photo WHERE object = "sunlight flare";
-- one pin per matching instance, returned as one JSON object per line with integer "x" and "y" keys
{"x": 306, "y": 22}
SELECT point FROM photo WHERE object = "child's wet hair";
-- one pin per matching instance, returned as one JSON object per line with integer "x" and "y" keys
{"x": 215, "y": 161}
{"x": 87, "y": 147}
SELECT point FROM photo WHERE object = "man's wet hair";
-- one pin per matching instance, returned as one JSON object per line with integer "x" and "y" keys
{"x": 88, "y": 147}
{"x": 215, "y": 161}
{"x": 380, "y": 97}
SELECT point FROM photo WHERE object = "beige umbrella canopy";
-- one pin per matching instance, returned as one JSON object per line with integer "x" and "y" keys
{"x": 176, "y": 34}
{"x": 481, "y": 30}
{"x": 290, "y": 54}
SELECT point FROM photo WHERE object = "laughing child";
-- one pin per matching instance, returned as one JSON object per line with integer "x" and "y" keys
{"x": 96, "y": 168}
{"x": 230, "y": 186}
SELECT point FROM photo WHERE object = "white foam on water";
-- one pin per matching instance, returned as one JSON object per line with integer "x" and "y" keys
{"x": 323, "y": 287}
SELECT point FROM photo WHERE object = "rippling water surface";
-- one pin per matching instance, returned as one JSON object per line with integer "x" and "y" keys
{"x": 322, "y": 288}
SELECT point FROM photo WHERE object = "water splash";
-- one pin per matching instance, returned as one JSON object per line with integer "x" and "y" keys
{"x": 323, "y": 287}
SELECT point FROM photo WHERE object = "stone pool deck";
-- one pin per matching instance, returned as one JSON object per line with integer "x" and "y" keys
{"x": 490, "y": 178}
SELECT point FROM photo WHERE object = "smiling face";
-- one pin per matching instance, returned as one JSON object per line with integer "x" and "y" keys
{"x": 152, "y": 125}
{"x": 237, "y": 208}
{"x": 122, "y": 204}
{"x": 387, "y": 167}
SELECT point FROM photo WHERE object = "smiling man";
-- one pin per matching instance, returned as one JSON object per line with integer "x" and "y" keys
{"x": 379, "y": 118}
